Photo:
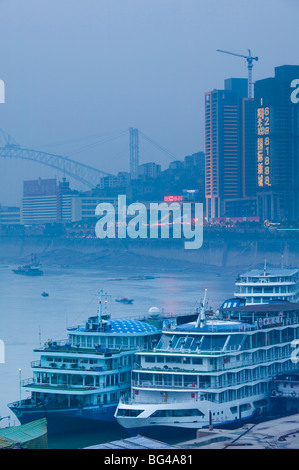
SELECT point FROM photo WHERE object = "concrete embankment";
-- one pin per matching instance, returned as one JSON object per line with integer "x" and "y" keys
{"x": 216, "y": 252}
{"x": 281, "y": 433}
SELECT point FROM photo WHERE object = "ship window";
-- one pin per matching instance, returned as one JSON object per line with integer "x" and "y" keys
{"x": 213, "y": 343}
{"x": 245, "y": 407}
{"x": 268, "y": 290}
{"x": 197, "y": 360}
{"x": 234, "y": 342}
{"x": 175, "y": 359}
{"x": 186, "y": 360}
{"x": 196, "y": 343}
{"x": 188, "y": 412}
{"x": 259, "y": 403}
{"x": 128, "y": 412}
{"x": 165, "y": 342}
{"x": 180, "y": 343}
{"x": 176, "y": 413}
{"x": 149, "y": 359}
{"x": 160, "y": 358}
{"x": 188, "y": 343}
{"x": 234, "y": 409}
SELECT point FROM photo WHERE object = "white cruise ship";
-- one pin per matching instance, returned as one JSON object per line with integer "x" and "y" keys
{"x": 260, "y": 286}
{"x": 211, "y": 372}
{"x": 77, "y": 382}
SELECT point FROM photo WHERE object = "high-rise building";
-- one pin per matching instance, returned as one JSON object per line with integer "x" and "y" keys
{"x": 9, "y": 215}
{"x": 149, "y": 170}
{"x": 46, "y": 202}
{"x": 39, "y": 203}
{"x": 277, "y": 124}
{"x": 229, "y": 144}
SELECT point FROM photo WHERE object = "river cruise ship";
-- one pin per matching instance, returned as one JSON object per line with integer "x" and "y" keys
{"x": 211, "y": 372}
{"x": 260, "y": 286}
{"x": 79, "y": 381}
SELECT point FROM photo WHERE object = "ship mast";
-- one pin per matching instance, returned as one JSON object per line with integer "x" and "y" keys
{"x": 102, "y": 299}
{"x": 201, "y": 319}
{"x": 265, "y": 268}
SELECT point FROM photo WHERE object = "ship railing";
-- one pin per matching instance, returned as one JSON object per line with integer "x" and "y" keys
{"x": 195, "y": 386}
{"x": 62, "y": 344}
{"x": 162, "y": 316}
{"x": 144, "y": 317}
{"x": 23, "y": 403}
{"x": 29, "y": 403}
{"x": 133, "y": 401}
{"x": 71, "y": 366}
{"x": 31, "y": 382}
{"x": 285, "y": 393}
{"x": 25, "y": 382}
{"x": 224, "y": 367}
{"x": 264, "y": 281}
{"x": 147, "y": 384}
{"x": 35, "y": 364}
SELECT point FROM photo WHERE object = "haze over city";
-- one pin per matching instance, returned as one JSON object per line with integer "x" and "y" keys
{"x": 74, "y": 69}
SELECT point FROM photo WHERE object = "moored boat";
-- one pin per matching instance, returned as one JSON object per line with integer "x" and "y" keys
{"x": 31, "y": 269}
{"x": 78, "y": 382}
{"x": 215, "y": 371}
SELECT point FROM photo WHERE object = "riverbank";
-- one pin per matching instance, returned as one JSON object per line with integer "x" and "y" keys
{"x": 219, "y": 252}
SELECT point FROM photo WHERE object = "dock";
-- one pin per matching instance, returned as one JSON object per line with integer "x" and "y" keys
{"x": 281, "y": 433}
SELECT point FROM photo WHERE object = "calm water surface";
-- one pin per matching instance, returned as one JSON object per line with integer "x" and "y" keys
{"x": 27, "y": 319}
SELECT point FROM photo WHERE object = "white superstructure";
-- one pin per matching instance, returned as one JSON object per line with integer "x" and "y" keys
{"x": 260, "y": 286}
{"x": 215, "y": 372}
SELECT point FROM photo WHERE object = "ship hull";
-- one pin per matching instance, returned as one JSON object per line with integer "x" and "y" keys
{"x": 23, "y": 273}
{"x": 68, "y": 420}
{"x": 181, "y": 433}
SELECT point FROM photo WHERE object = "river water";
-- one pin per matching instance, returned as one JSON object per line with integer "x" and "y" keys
{"x": 27, "y": 319}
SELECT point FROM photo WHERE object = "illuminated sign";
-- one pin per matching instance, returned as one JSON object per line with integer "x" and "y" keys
{"x": 190, "y": 194}
{"x": 173, "y": 198}
{"x": 263, "y": 146}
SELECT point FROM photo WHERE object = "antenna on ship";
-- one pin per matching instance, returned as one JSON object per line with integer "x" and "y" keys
{"x": 100, "y": 306}
{"x": 265, "y": 267}
{"x": 201, "y": 319}
{"x": 102, "y": 300}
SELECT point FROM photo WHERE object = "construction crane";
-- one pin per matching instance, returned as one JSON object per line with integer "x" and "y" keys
{"x": 249, "y": 58}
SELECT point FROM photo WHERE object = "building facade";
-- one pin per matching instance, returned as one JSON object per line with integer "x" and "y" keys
{"x": 277, "y": 136}
{"x": 229, "y": 146}
{"x": 9, "y": 215}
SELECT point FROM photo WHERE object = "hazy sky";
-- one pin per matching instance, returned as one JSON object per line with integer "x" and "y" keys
{"x": 74, "y": 68}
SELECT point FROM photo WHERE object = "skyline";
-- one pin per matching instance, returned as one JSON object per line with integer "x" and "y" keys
{"x": 158, "y": 60}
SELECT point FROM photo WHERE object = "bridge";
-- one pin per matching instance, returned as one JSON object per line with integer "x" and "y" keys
{"x": 85, "y": 174}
